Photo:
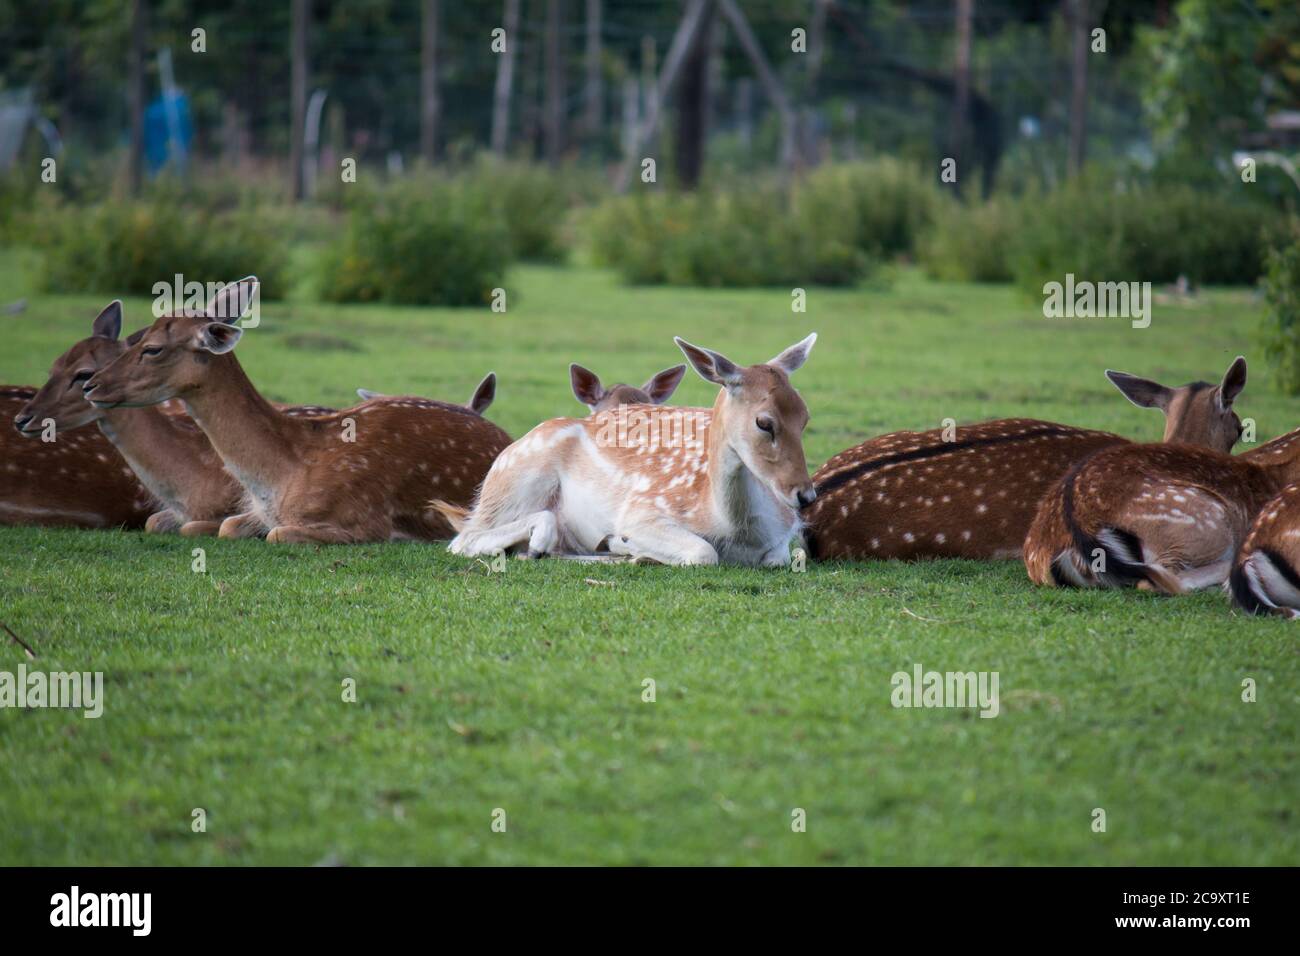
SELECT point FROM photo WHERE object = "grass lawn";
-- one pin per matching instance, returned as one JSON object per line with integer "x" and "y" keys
{"x": 523, "y": 690}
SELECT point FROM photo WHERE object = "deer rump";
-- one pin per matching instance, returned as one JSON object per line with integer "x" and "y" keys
{"x": 1168, "y": 518}
{"x": 910, "y": 495}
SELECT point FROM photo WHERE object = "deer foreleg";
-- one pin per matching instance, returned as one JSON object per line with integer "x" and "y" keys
{"x": 664, "y": 542}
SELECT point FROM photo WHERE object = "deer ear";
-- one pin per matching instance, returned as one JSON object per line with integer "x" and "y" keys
{"x": 661, "y": 387}
{"x": 218, "y": 337}
{"x": 484, "y": 394}
{"x": 108, "y": 324}
{"x": 1234, "y": 380}
{"x": 586, "y": 385}
{"x": 1142, "y": 392}
{"x": 792, "y": 359}
{"x": 712, "y": 366}
{"x": 233, "y": 301}
{"x": 366, "y": 394}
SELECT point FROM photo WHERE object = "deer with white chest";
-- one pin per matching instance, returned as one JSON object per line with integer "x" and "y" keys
{"x": 680, "y": 486}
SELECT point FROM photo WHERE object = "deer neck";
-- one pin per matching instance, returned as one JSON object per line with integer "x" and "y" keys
{"x": 166, "y": 455}
{"x": 257, "y": 442}
{"x": 734, "y": 490}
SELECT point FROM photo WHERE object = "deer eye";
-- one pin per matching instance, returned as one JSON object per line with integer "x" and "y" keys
{"x": 765, "y": 425}
{"x": 82, "y": 375}
{"x": 151, "y": 350}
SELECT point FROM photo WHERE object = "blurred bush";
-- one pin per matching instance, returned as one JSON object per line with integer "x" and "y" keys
{"x": 1153, "y": 234}
{"x": 887, "y": 203}
{"x": 1282, "y": 313}
{"x": 124, "y": 247}
{"x": 423, "y": 239}
{"x": 531, "y": 201}
{"x": 971, "y": 243}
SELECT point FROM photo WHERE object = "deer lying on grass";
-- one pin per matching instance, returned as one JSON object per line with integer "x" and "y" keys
{"x": 362, "y": 474}
{"x": 914, "y": 495}
{"x": 1171, "y": 518}
{"x": 588, "y": 390}
{"x": 483, "y": 396}
{"x": 165, "y": 449}
{"x": 1198, "y": 414}
{"x": 1264, "y": 576}
{"x": 76, "y": 480}
{"x": 682, "y": 486}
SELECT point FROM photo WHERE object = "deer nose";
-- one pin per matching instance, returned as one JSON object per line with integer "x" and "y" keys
{"x": 21, "y": 420}
{"x": 806, "y": 496}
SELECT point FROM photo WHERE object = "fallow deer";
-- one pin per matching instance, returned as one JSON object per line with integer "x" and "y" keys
{"x": 1199, "y": 414}
{"x": 1264, "y": 576}
{"x": 478, "y": 403}
{"x": 76, "y": 480}
{"x": 1171, "y": 518}
{"x": 362, "y": 474}
{"x": 588, "y": 390}
{"x": 724, "y": 484}
{"x": 166, "y": 450}
{"x": 968, "y": 492}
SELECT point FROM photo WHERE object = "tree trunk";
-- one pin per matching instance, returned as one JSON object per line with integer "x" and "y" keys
{"x": 1078, "y": 16}
{"x": 505, "y": 79}
{"x": 301, "y": 12}
{"x": 960, "y": 124}
{"x": 594, "y": 93}
{"x": 553, "y": 125}
{"x": 771, "y": 85}
{"x": 663, "y": 86}
{"x": 430, "y": 105}
{"x": 692, "y": 106}
{"x": 138, "y": 29}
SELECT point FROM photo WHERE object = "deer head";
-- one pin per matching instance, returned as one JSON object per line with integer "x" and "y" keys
{"x": 589, "y": 391}
{"x": 760, "y": 418}
{"x": 170, "y": 358}
{"x": 1195, "y": 414}
{"x": 61, "y": 397}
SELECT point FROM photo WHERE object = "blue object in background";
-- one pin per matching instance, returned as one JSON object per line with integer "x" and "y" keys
{"x": 157, "y": 145}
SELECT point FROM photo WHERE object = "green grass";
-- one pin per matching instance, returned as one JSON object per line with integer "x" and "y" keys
{"x": 522, "y": 690}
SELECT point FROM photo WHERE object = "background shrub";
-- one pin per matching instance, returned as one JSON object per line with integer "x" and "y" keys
{"x": 420, "y": 240}
{"x": 1282, "y": 316}
{"x": 885, "y": 204}
{"x": 122, "y": 247}
{"x": 971, "y": 243}
{"x": 530, "y": 200}
{"x": 760, "y": 235}
{"x": 1153, "y": 234}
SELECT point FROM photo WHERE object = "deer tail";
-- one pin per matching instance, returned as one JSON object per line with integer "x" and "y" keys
{"x": 1265, "y": 581}
{"x": 455, "y": 515}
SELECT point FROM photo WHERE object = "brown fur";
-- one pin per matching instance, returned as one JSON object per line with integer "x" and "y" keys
{"x": 1186, "y": 510}
{"x": 1266, "y": 573}
{"x": 78, "y": 480}
{"x": 1197, "y": 414}
{"x": 303, "y": 481}
{"x": 912, "y": 495}
{"x": 161, "y": 444}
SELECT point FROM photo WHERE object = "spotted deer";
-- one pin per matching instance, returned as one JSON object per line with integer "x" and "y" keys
{"x": 1171, "y": 518}
{"x": 478, "y": 403}
{"x": 165, "y": 449}
{"x": 588, "y": 390}
{"x": 682, "y": 486}
{"x": 1264, "y": 577}
{"x": 77, "y": 480}
{"x": 361, "y": 474}
{"x": 967, "y": 492}
{"x": 1199, "y": 414}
